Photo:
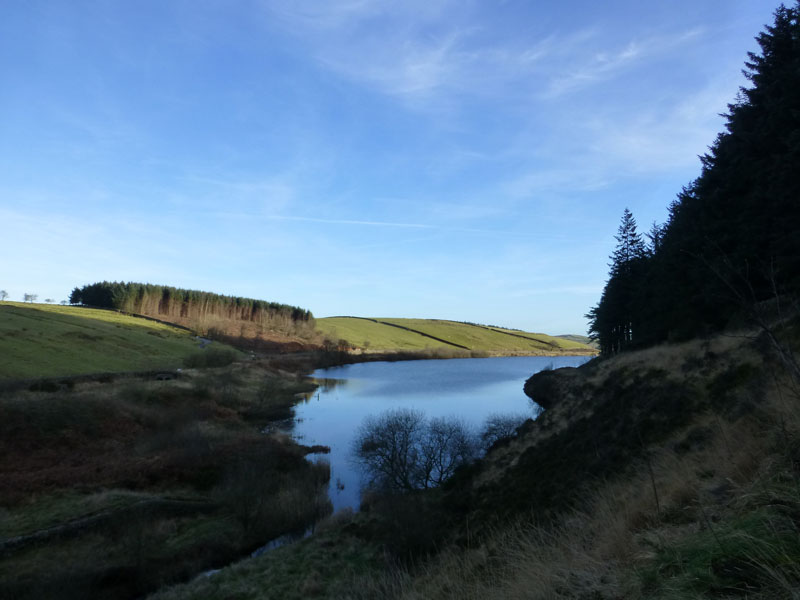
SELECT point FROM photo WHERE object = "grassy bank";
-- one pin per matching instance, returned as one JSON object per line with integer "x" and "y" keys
{"x": 48, "y": 340}
{"x": 116, "y": 489}
{"x": 435, "y": 335}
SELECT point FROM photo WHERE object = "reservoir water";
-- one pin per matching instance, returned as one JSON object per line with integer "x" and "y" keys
{"x": 469, "y": 388}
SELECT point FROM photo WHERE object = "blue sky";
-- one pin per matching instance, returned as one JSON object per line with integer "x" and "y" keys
{"x": 460, "y": 160}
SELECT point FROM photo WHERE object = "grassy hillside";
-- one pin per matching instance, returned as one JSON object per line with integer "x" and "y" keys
{"x": 418, "y": 334}
{"x": 369, "y": 334}
{"x": 46, "y": 340}
{"x": 582, "y": 339}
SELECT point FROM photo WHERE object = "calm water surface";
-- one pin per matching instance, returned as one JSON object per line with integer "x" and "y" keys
{"x": 469, "y": 388}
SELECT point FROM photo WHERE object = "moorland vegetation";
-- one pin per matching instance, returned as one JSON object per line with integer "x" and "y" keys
{"x": 113, "y": 486}
{"x": 668, "y": 468}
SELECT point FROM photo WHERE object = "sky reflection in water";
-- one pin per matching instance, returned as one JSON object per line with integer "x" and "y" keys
{"x": 470, "y": 389}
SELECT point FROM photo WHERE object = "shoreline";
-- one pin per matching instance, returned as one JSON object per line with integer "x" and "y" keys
{"x": 300, "y": 362}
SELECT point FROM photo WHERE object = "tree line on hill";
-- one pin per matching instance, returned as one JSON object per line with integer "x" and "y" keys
{"x": 205, "y": 311}
{"x": 732, "y": 237}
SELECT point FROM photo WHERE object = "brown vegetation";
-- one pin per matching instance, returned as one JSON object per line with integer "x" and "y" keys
{"x": 113, "y": 489}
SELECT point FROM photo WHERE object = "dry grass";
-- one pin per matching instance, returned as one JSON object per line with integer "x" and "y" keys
{"x": 711, "y": 511}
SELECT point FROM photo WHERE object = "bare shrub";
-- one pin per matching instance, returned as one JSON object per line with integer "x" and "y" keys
{"x": 400, "y": 450}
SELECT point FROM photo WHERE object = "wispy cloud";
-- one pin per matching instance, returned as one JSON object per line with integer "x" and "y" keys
{"x": 663, "y": 136}
{"x": 598, "y": 67}
{"x": 418, "y": 70}
{"x": 416, "y": 51}
{"x": 433, "y": 227}
{"x": 541, "y": 182}
{"x": 588, "y": 63}
{"x": 429, "y": 54}
{"x": 350, "y": 222}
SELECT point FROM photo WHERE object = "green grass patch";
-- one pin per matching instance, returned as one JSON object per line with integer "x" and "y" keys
{"x": 48, "y": 511}
{"x": 45, "y": 340}
{"x": 751, "y": 553}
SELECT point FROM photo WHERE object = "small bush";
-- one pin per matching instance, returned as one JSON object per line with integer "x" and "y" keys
{"x": 400, "y": 450}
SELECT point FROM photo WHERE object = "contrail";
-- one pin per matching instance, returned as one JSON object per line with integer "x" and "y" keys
{"x": 405, "y": 226}
{"x": 352, "y": 222}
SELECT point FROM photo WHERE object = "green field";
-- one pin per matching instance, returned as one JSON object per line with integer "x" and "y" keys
{"x": 419, "y": 334}
{"x": 47, "y": 340}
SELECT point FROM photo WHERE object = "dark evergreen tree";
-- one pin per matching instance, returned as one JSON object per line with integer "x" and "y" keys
{"x": 630, "y": 247}
{"x": 733, "y": 233}
{"x": 655, "y": 237}
{"x": 614, "y": 320}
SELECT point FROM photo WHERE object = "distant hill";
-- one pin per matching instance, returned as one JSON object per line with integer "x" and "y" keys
{"x": 388, "y": 334}
{"x": 46, "y": 340}
{"x": 581, "y": 339}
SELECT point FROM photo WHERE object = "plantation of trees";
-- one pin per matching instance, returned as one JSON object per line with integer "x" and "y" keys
{"x": 732, "y": 238}
{"x": 219, "y": 316}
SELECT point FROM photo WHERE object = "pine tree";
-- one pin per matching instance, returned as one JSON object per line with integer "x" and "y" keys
{"x": 614, "y": 321}
{"x": 655, "y": 237}
{"x": 630, "y": 247}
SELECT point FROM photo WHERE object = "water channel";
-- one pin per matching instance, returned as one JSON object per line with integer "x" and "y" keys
{"x": 470, "y": 388}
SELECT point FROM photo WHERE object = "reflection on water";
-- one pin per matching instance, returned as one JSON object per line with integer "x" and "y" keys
{"x": 326, "y": 384}
{"x": 471, "y": 389}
